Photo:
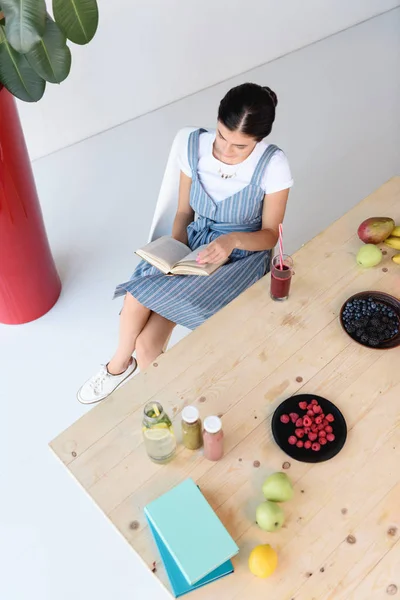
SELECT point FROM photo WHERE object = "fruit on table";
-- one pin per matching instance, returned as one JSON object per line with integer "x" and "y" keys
{"x": 312, "y": 431}
{"x": 263, "y": 561}
{"x": 278, "y": 487}
{"x": 370, "y": 255}
{"x": 396, "y": 259}
{"x": 375, "y": 229}
{"x": 270, "y": 516}
{"x": 371, "y": 322}
{"x": 396, "y": 231}
{"x": 393, "y": 242}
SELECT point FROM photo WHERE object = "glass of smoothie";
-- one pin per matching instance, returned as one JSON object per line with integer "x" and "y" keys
{"x": 281, "y": 276}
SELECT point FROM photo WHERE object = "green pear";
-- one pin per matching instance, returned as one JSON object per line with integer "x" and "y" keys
{"x": 369, "y": 256}
{"x": 270, "y": 516}
{"x": 278, "y": 488}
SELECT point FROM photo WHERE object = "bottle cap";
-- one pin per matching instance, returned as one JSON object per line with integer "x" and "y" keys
{"x": 212, "y": 424}
{"x": 190, "y": 414}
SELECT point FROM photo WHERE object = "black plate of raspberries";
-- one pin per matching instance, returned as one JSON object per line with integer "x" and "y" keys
{"x": 309, "y": 428}
{"x": 372, "y": 319}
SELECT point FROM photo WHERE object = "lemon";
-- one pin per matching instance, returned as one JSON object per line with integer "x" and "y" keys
{"x": 263, "y": 561}
{"x": 157, "y": 435}
{"x": 156, "y": 426}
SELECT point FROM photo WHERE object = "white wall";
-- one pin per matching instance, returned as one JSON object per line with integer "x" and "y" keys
{"x": 148, "y": 53}
{"x": 338, "y": 120}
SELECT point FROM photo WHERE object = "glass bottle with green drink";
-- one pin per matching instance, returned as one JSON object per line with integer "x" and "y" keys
{"x": 158, "y": 435}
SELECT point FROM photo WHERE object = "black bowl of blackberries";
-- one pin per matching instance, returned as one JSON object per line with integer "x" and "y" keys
{"x": 372, "y": 319}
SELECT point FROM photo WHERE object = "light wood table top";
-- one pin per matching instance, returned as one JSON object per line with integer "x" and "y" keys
{"x": 241, "y": 364}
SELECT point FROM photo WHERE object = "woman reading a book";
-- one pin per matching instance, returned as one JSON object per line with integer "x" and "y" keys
{"x": 237, "y": 186}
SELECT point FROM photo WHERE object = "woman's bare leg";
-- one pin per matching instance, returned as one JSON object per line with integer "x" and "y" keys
{"x": 133, "y": 319}
{"x": 152, "y": 340}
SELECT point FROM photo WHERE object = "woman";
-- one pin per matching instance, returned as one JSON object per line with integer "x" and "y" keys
{"x": 237, "y": 186}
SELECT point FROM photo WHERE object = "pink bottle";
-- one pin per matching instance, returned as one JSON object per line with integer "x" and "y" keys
{"x": 213, "y": 438}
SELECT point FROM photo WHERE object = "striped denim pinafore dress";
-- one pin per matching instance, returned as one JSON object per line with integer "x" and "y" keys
{"x": 189, "y": 300}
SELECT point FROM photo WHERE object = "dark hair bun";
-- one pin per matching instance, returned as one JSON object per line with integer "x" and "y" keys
{"x": 272, "y": 95}
{"x": 249, "y": 108}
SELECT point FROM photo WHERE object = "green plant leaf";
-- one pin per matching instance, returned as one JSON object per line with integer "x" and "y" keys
{"x": 25, "y": 22}
{"x": 78, "y": 19}
{"x": 51, "y": 57}
{"x": 17, "y": 75}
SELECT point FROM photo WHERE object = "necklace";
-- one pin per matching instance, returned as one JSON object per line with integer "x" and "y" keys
{"x": 226, "y": 175}
{"x": 220, "y": 171}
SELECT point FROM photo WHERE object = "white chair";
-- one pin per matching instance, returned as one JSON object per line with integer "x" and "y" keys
{"x": 167, "y": 201}
{"x": 167, "y": 204}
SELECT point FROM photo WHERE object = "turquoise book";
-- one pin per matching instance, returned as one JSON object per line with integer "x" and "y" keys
{"x": 194, "y": 545}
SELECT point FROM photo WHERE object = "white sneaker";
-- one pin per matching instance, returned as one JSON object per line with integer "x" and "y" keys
{"x": 102, "y": 384}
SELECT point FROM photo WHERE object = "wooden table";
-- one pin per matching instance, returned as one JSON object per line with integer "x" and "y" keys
{"x": 341, "y": 539}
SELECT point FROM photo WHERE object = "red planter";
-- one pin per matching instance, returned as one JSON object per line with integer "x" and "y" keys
{"x": 29, "y": 283}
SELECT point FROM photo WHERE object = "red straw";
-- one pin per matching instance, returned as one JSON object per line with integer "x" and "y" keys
{"x": 280, "y": 247}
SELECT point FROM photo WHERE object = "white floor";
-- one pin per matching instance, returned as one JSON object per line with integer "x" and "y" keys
{"x": 98, "y": 198}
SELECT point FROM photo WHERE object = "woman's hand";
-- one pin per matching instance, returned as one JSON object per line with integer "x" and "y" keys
{"x": 218, "y": 251}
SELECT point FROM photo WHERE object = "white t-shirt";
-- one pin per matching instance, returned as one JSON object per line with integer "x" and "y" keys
{"x": 277, "y": 175}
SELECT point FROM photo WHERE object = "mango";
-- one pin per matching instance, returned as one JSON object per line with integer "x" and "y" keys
{"x": 375, "y": 230}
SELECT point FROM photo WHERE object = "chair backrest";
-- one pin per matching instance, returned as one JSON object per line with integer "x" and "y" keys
{"x": 167, "y": 201}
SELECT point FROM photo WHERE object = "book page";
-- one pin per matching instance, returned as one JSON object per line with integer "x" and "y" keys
{"x": 194, "y": 269}
{"x": 164, "y": 252}
{"x": 191, "y": 257}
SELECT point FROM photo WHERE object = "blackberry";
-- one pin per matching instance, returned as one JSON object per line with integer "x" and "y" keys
{"x": 373, "y": 341}
{"x": 364, "y": 338}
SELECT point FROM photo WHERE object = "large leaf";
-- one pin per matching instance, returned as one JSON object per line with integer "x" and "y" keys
{"x": 25, "y": 22}
{"x": 78, "y": 19}
{"x": 51, "y": 57}
{"x": 17, "y": 75}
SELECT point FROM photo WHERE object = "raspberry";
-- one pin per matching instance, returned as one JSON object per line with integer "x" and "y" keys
{"x": 307, "y": 444}
{"x": 316, "y": 447}
{"x": 325, "y": 422}
{"x": 303, "y": 405}
{"x": 299, "y": 433}
{"x": 317, "y": 409}
{"x": 322, "y": 441}
{"x": 299, "y": 422}
{"x": 293, "y": 417}
{"x": 330, "y": 418}
{"x": 307, "y": 422}
{"x": 285, "y": 419}
{"x": 314, "y": 428}
{"x": 300, "y": 444}
{"x": 309, "y": 406}
{"x": 330, "y": 437}
{"x": 314, "y": 402}
{"x": 312, "y": 436}
{"x": 318, "y": 420}
{"x": 320, "y": 427}
{"x": 328, "y": 429}
{"x": 310, "y": 413}
{"x": 322, "y": 434}
{"x": 307, "y": 430}
{"x": 292, "y": 440}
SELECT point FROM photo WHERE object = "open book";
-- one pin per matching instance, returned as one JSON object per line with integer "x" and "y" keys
{"x": 174, "y": 258}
